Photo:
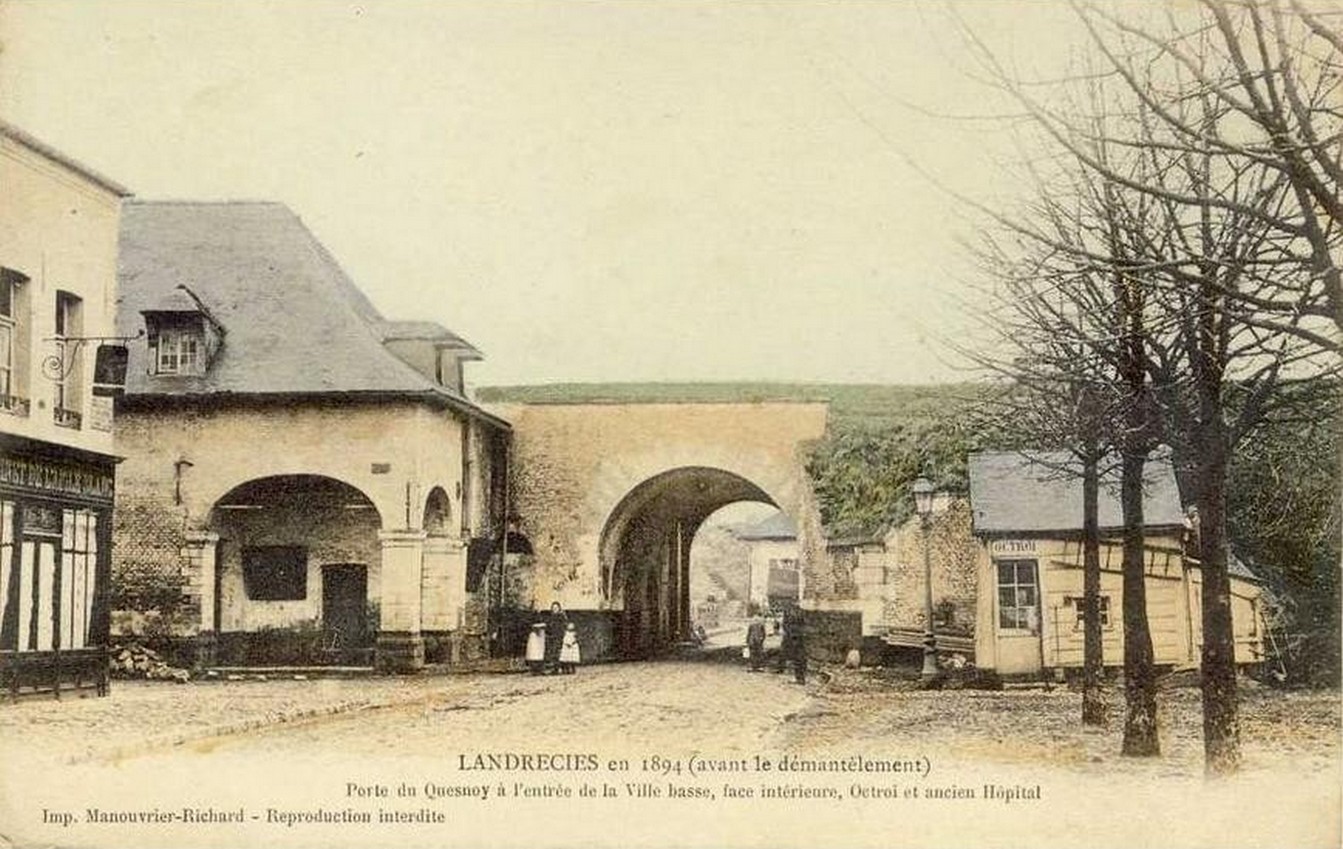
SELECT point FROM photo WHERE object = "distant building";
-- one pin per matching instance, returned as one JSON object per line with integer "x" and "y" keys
{"x": 305, "y": 481}
{"x": 776, "y": 578}
{"x": 58, "y": 253}
{"x": 1027, "y": 514}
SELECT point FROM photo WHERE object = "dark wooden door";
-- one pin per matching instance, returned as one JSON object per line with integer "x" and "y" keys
{"x": 344, "y": 608}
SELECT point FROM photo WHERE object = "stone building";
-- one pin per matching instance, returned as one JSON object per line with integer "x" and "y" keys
{"x": 58, "y": 248}
{"x": 305, "y": 481}
{"x": 776, "y": 574}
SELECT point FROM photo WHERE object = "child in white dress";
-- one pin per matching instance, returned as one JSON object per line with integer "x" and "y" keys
{"x": 569, "y": 654}
{"x": 536, "y": 649}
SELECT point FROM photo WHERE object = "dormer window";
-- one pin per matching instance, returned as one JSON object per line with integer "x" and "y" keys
{"x": 179, "y": 351}
{"x": 183, "y": 336}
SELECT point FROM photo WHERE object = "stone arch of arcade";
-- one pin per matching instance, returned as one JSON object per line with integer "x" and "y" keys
{"x": 645, "y": 551}
{"x": 293, "y": 548}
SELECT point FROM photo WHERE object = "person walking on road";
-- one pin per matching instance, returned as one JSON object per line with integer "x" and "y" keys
{"x": 755, "y": 642}
{"x": 794, "y": 648}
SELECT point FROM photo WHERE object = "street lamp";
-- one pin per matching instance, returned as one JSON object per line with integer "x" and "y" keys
{"x": 923, "y": 505}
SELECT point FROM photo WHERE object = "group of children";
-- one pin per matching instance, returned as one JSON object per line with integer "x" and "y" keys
{"x": 553, "y": 652}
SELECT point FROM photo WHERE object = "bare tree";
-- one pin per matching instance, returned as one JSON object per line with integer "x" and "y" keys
{"x": 1072, "y": 348}
{"x": 1217, "y": 167}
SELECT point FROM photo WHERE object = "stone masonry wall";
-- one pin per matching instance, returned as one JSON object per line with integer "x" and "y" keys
{"x": 574, "y": 463}
{"x": 953, "y": 552}
{"x": 152, "y": 594}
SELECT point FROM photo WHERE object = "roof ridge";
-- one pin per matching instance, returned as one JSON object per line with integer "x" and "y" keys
{"x": 142, "y": 201}
{"x": 28, "y": 140}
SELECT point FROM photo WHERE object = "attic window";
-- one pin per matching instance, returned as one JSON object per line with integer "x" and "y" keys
{"x": 177, "y": 344}
{"x": 179, "y": 352}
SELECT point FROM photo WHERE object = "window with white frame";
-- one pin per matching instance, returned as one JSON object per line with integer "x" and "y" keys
{"x": 179, "y": 352}
{"x": 69, "y": 318}
{"x": 11, "y": 337}
{"x": 1018, "y": 595}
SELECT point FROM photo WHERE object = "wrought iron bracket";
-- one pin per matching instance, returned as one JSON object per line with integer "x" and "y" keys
{"x": 55, "y": 368}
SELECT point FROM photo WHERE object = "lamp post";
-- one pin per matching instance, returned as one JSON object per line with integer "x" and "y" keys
{"x": 923, "y": 505}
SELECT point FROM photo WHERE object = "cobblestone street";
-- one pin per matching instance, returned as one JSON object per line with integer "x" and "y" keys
{"x": 304, "y": 743}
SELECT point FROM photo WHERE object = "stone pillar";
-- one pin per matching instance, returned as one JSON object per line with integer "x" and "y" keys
{"x": 443, "y": 584}
{"x": 200, "y": 557}
{"x": 683, "y": 603}
{"x": 400, "y": 646}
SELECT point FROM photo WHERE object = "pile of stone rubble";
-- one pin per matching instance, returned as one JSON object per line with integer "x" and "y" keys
{"x": 132, "y": 660}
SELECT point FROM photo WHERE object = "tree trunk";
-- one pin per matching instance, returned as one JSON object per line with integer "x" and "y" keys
{"x": 1093, "y": 661}
{"x": 1221, "y": 723}
{"x": 1140, "y": 728}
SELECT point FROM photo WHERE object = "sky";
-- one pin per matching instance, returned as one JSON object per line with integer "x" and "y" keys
{"x": 587, "y": 191}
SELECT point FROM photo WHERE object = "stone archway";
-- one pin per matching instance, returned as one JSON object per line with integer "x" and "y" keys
{"x": 645, "y": 551}
{"x": 296, "y": 574}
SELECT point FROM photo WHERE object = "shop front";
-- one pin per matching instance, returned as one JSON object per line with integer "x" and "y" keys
{"x": 55, "y": 548}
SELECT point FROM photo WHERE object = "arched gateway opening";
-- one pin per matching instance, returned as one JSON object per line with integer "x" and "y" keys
{"x": 645, "y": 552}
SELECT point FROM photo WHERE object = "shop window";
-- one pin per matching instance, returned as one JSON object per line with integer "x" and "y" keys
{"x": 79, "y": 570}
{"x": 8, "y": 560}
{"x": 275, "y": 572}
{"x": 48, "y": 583}
{"x": 1018, "y": 595}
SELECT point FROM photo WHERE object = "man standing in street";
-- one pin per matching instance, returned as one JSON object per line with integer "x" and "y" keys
{"x": 556, "y": 624}
{"x": 794, "y": 646}
{"x": 755, "y": 642}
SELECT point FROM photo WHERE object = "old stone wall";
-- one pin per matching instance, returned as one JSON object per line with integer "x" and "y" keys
{"x": 953, "y": 550}
{"x": 574, "y": 463}
{"x": 152, "y": 593}
{"x": 830, "y": 634}
{"x": 330, "y": 534}
{"x": 191, "y": 456}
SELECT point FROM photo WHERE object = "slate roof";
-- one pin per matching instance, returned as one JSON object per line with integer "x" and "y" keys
{"x": 295, "y": 323}
{"x": 778, "y": 526}
{"x": 426, "y": 331}
{"x": 1016, "y": 492}
{"x": 1240, "y": 569}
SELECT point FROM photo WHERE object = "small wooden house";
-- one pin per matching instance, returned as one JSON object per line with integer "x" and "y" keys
{"x": 1027, "y": 520}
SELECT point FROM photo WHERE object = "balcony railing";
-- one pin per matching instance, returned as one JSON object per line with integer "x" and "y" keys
{"x": 14, "y": 405}
{"x": 67, "y": 418}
